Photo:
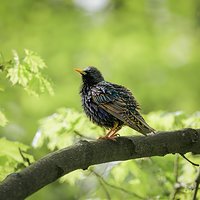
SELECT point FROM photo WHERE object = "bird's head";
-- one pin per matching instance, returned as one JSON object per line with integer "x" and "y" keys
{"x": 90, "y": 75}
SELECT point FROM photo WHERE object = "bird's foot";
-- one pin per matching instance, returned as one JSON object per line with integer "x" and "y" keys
{"x": 109, "y": 137}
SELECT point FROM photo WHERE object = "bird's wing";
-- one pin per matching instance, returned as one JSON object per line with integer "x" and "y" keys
{"x": 119, "y": 102}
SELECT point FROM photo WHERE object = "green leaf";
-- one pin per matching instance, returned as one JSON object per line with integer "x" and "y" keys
{"x": 33, "y": 61}
{"x": 10, "y": 158}
{"x": 3, "y": 119}
{"x": 61, "y": 129}
{"x": 46, "y": 85}
{"x": 27, "y": 73}
{"x": 193, "y": 121}
{"x": 13, "y": 75}
{"x": 161, "y": 120}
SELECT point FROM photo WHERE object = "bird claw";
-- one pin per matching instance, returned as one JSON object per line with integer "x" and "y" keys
{"x": 111, "y": 137}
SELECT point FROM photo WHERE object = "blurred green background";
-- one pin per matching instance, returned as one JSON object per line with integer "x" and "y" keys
{"x": 150, "y": 46}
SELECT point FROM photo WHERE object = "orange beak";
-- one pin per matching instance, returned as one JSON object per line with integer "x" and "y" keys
{"x": 80, "y": 71}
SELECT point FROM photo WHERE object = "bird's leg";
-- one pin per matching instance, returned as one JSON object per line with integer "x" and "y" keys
{"x": 108, "y": 133}
{"x": 112, "y": 132}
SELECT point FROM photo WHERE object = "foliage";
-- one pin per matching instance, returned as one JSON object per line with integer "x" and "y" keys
{"x": 27, "y": 73}
{"x": 10, "y": 158}
{"x": 150, "y": 47}
{"x": 62, "y": 129}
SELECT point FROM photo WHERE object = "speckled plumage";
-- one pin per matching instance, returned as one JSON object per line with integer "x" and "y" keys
{"x": 110, "y": 105}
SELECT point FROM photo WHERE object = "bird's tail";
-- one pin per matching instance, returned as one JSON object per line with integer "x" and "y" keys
{"x": 137, "y": 122}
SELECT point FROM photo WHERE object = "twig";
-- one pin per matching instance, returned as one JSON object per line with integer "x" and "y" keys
{"x": 104, "y": 188}
{"x": 114, "y": 186}
{"x": 197, "y": 182}
{"x": 177, "y": 185}
{"x": 24, "y": 158}
{"x": 197, "y": 165}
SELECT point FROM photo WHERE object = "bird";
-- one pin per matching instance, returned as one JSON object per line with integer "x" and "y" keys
{"x": 110, "y": 105}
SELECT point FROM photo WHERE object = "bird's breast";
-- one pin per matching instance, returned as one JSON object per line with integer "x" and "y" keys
{"x": 95, "y": 112}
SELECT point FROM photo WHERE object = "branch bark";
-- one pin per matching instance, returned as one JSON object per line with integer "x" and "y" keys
{"x": 86, "y": 153}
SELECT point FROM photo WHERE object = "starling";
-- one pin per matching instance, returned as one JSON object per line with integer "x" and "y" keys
{"x": 110, "y": 105}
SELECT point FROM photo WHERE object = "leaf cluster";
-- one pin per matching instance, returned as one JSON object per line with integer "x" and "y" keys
{"x": 130, "y": 179}
{"x": 27, "y": 72}
{"x": 11, "y": 160}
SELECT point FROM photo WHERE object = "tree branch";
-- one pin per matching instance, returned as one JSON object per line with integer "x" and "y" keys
{"x": 85, "y": 153}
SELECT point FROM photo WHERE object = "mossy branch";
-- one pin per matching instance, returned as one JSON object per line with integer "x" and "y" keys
{"x": 86, "y": 153}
